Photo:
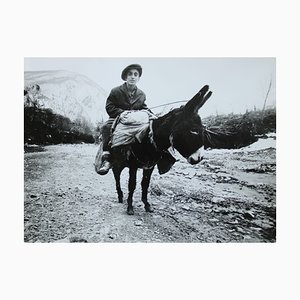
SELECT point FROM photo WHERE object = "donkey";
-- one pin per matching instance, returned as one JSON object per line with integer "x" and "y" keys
{"x": 181, "y": 129}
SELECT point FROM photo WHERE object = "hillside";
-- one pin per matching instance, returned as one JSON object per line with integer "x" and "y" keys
{"x": 239, "y": 130}
{"x": 69, "y": 94}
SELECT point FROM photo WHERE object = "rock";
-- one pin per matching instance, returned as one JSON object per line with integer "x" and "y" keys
{"x": 72, "y": 239}
{"x": 138, "y": 223}
{"x": 216, "y": 199}
{"x": 233, "y": 222}
{"x": 256, "y": 228}
{"x": 249, "y": 215}
{"x": 213, "y": 220}
{"x": 76, "y": 239}
{"x": 239, "y": 229}
{"x": 216, "y": 209}
{"x": 185, "y": 207}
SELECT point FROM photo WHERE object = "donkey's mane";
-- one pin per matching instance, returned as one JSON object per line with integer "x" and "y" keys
{"x": 176, "y": 112}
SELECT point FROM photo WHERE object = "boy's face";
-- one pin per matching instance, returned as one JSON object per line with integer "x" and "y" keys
{"x": 133, "y": 77}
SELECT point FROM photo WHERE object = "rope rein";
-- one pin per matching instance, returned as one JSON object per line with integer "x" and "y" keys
{"x": 182, "y": 101}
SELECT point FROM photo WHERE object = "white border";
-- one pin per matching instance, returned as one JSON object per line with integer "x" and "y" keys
{"x": 133, "y": 29}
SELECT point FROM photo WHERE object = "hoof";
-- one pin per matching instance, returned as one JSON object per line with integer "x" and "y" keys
{"x": 148, "y": 208}
{"x": 102, "y": 171}
{"x": 130, "y": 211}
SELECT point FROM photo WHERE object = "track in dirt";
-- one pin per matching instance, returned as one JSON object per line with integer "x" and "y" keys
{"x": 229, "y": 197}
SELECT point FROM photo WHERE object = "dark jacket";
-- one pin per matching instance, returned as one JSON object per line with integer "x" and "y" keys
{"x": 119, "y": 100}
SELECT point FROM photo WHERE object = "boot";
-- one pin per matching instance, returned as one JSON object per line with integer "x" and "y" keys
{"x": 105, "y": 165}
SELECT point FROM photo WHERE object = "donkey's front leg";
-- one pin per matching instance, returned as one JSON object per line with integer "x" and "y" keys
{"x": 117, "y": 173}
{"x": 131, "y": 188}
{"x": 145, "y": 185}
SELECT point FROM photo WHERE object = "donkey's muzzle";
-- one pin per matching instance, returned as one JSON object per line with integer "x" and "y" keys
{"x": 196, "y": 157}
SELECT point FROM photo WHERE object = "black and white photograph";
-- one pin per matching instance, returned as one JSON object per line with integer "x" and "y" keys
{"x": 150, "y": 150}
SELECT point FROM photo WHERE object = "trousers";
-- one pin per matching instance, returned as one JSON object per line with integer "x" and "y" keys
{"x": 106, "y": 133}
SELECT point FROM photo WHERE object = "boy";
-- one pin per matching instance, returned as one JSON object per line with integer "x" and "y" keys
{"x": 124, "y": 97}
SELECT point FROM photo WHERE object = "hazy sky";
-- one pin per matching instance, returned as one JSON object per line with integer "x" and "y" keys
{"x": 237, "y": 83}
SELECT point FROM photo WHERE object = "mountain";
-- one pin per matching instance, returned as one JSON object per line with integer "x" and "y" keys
{"x": 70, "y": 94}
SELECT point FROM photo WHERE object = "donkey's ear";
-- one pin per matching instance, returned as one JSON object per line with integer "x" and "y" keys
{"x": 198, "y": 100}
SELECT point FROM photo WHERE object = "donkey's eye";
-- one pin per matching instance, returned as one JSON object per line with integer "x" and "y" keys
{"x": 194, "y": 132}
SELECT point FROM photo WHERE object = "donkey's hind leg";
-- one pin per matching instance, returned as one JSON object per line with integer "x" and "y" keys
{"x": 131, "y": 188}
{"x": 117, "y": 173}
{"x": 145, "y": 185}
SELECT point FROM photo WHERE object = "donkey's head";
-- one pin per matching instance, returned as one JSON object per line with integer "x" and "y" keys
{"x": 188, "y": 133}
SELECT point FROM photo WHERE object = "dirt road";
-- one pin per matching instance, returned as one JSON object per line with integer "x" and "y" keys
{"x": 229, "y": 197}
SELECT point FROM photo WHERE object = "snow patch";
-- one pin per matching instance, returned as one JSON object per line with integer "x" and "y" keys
{"x": 260, "y": 144}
